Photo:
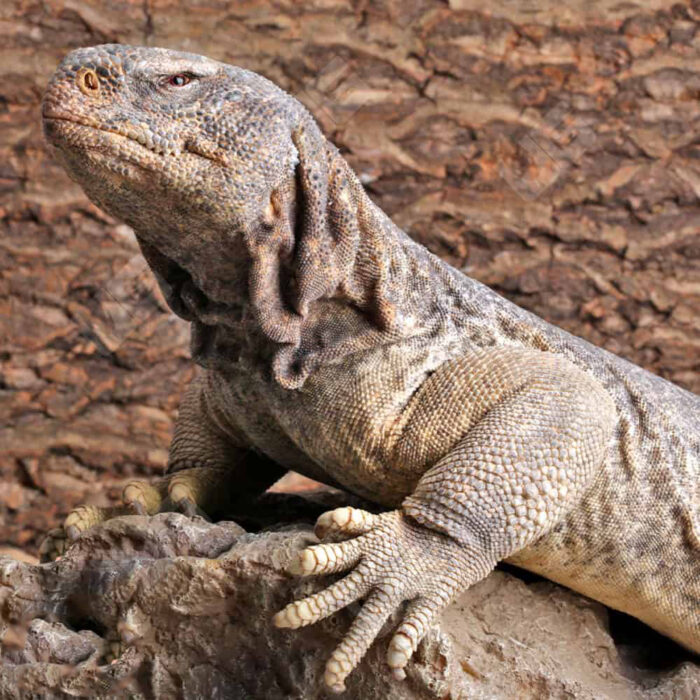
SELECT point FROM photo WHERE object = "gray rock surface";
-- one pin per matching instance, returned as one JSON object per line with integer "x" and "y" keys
{"x": 174, "y": 607}
{"x": 548, "y": 148}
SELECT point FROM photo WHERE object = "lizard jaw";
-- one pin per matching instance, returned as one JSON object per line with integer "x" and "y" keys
{"x": 62, "y": 129}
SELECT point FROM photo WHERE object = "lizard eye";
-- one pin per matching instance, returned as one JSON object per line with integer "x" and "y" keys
{"x": 179, "y": 80}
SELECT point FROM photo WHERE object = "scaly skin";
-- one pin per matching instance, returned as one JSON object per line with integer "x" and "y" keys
{"x": 338, "y": 347}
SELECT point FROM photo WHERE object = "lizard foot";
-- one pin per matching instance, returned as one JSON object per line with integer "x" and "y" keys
{"x": 57, "y": 541}
{"x": 395, "y": 559}
{"x": 192, "y": 491}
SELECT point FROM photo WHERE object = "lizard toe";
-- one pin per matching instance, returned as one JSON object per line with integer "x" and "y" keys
{"x": 114, "y": 650}
{"x": 185, "y": 495}
{"x": 326, "y": 558}
{"x": 309, "y": 610}
{"x": 345, "y": 521}
{"x": 198, "y": 490}
{"x": 83, "y": 518}
{"x": 420, "y": 615}
{"x": 142, "y": 497}
{"x": 363, "y": 631}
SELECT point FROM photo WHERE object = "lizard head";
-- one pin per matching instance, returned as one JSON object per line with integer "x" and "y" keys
{"x": 159, "y": 138}
{"x": 236, "y": 197}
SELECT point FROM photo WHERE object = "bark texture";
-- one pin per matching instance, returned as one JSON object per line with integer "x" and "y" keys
{"x": 550, "y": 149}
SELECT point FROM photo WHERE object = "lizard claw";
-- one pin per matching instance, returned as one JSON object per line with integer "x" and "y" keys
{"x": 395, "y": 559}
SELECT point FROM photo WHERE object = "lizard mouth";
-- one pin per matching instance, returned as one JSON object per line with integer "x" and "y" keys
{"x": 154, "y": 144}
{"x": 149, "y": 142}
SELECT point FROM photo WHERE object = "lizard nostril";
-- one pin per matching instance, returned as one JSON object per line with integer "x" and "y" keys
{"x": 88, "y": 82}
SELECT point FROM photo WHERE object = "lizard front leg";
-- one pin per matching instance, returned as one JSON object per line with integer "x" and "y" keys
{"x": 208, "y": 460}
{"x": 206, "y": 465}
{"x": 538, "y": 431}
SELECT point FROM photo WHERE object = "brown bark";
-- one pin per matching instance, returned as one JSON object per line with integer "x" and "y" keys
{"x": 550, "y": 149}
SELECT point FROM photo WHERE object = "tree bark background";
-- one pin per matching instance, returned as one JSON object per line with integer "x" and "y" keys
{"x": 549, "y": 149}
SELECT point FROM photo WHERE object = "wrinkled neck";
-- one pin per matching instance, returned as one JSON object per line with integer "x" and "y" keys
{"x": 328, "y": 275}
{"x": 376, "y": 282}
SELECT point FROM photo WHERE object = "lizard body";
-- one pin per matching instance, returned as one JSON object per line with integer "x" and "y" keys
{"x": 340, "y": 348}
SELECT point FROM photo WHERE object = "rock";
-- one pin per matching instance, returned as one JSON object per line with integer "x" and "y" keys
{"x": 19, "y": 554}
{"x": 186, "y": 606}
{"x": 192, "y": 602}
{"x": 549, "y": 149}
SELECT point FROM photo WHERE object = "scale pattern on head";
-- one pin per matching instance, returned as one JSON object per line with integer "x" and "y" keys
{"x": 177, "y": 124}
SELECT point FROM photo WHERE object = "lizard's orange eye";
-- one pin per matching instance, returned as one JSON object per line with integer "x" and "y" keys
{"x": 179, "y": 80}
